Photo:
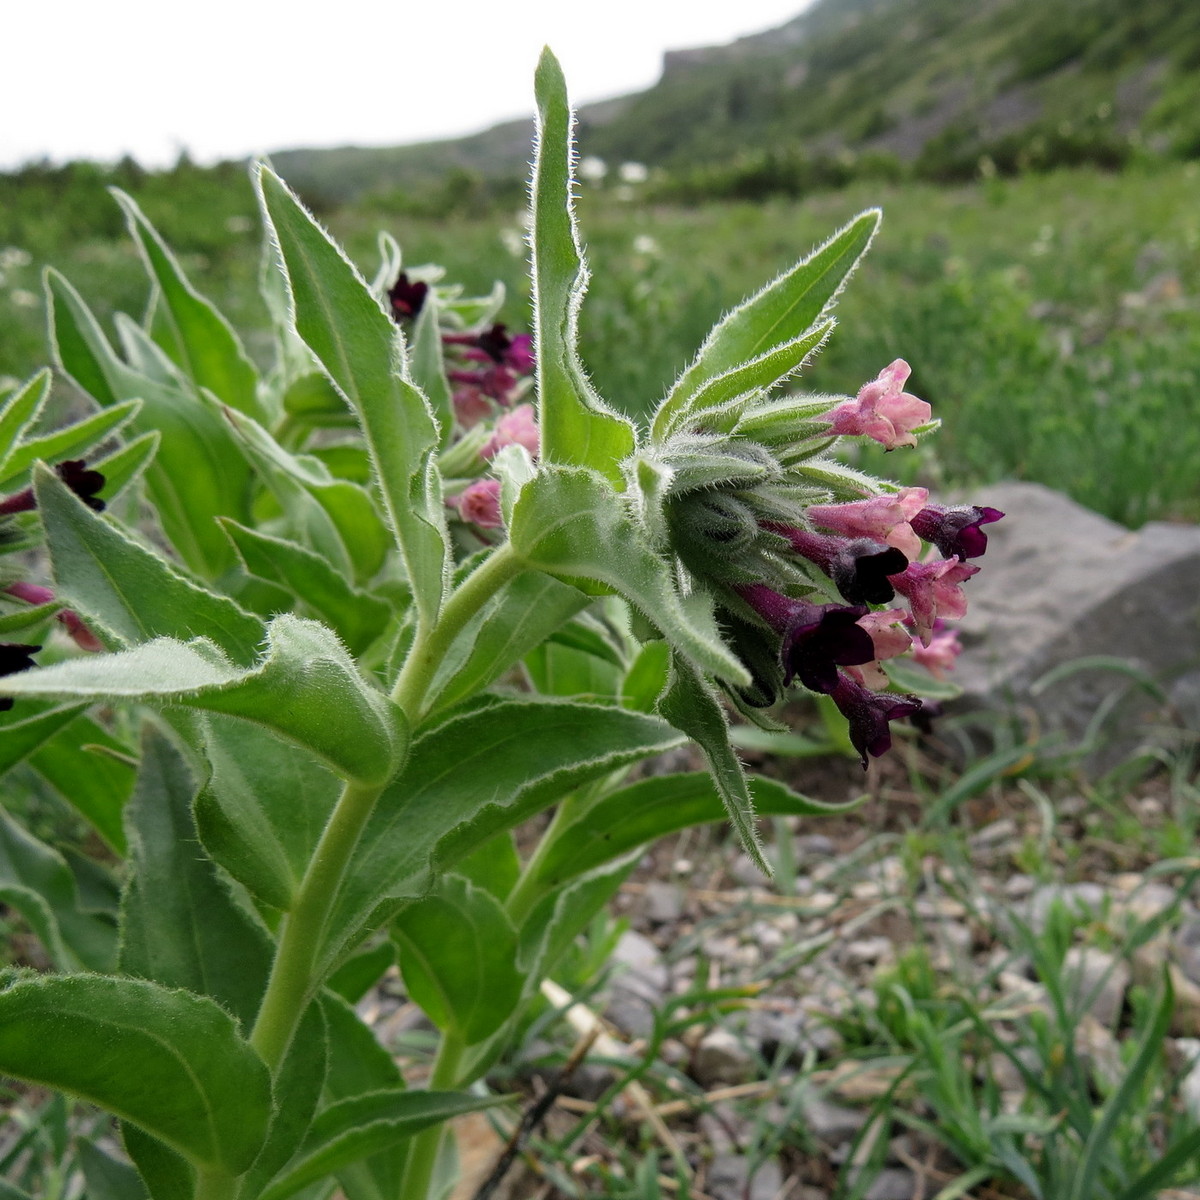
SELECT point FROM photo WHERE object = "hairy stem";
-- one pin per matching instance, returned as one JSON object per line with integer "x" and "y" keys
{"x": 424, "y": 1148}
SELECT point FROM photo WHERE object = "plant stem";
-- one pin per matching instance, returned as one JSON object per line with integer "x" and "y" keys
{"x": 294, "y": 976}
{"x": 423, "y": 1150}
{"x": 432, "y": 642}
{"x": 292, "y": 981}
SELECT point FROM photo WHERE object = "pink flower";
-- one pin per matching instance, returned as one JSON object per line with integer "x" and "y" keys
{"x": 889, "y": 639}
{"x": 933, "y": 590}
{"x": 882, "y": 518}
{"x": 471, "y": 405}
{"x": 516, "y": 428}
{"x": 939, "y": 654}
{"x": 480, "y": 504}
{"x": 882, "y": 410}
{"x": 81, "y": 635}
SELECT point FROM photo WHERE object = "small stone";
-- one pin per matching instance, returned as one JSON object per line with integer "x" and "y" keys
{"x": 993, "y": 834}
{"x": 1098, "y": 1051}
{"x": 745, "y": 872}
{"x": 1018, "y": 887}
{"x": 644, "y": 971}
{"x": 663, "y": 902}
{"x": 1188, "y": 1050}
{"x": 733, "y": 1177}
{"x": 893, "y": 1183}
{"x": 1082, "y": 900}
{"x": 828, "y": 1122}
{"x": 815, "y": 845}
{"x": 863, "y": 951}
{"x": 721, "y": 1059}
{"x": 1095, "y": 982}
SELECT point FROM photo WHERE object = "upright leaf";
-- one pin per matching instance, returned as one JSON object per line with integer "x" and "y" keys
{"x": 70, "y": 441}
{"x": 208, "y": 347}
{"x": 19, "y": 412}
{"x": 576, "y": 427}
{"x": 179, "y": 925}
{"x": 106, "y": 1177}
{"x": 261, "y": 813}
{"x": 780, "y": 313}
{"x": 457, "y": 955}
{"x": 361, "y": 350}
{"x": 170, "y": 1062}
{"x": 126, "y": 590}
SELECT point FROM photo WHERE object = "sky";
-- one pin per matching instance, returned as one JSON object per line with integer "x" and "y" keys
{"x": 227, "y": 78}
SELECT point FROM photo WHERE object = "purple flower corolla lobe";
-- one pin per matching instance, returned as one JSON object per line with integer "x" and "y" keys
{"x": 955, "y": 531}
{"x": 933, "y": 590}
{"x": 75, "y": 473}
{"x": 14, "y": 657}
{"x": 868, "y": 714}
{"x": 407, "y": 297}
{"x": 817, "y": 638}
{"x": 860, "y": 567}
{"x": 479, "y": 504}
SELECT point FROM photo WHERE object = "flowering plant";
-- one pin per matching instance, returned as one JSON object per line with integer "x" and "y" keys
{"x": 366, "y": 613}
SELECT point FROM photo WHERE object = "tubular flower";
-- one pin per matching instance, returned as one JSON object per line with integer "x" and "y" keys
{"x": 860, "y": 567}
{"x": 940, "y": 654}
{"x": 883, "y": 518}
{"x": 515, "y": 428}
{"x": 479, "y": 503}
{"x": 14, "y": 657}
{"x": 407, "y": 297}
{"x": 81, "y": 635}
{"x": 868, "y": 714}
{"x": 889, "y": 639}
{"x": 933, "y": 590}
{"x": 817, "y": 638}
{"x": 955, "y": 531}
{"x": 882, "y": 410}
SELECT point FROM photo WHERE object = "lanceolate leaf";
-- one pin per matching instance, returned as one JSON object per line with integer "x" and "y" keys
{"x": 179, "y": 924}
{"x": 197, "y": 473}
{"x": 364, "y": 1125}
{"x": 571, "y": 524}
{"x": 22, "y": 734}
{"x": 652, "y": 808}
{"x": 305, "y": 687}
{"x": 106, "y": 1177}
{"x": 207, "y": 345}
{"x": 19, "y": 411}
{"x": 170, "y": 1062}
{"x": 261, "y": 813}
{"x": 360, "y": 348}
{"x": 781, "y": 313}
{"x": 457, "y": 955}
{"x": 128, "y": 591}
{"x": 690, "y": 704}
{"x": 428, "y": 366}
{"x": 576, "y": 427}
{"x": 473, "y": 777}
{"x": 73, "y": 441}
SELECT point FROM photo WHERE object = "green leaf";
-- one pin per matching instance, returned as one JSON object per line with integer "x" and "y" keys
{"x": 22, "y": 734}
{"x": 170, "y": 1062}
{"x": 569, "y": 523}
{"x": 179, "y": 925}
{"x": 36, "y": 881}
{"x": 261, "y": 813}
{"x": 124, "y": 466}
{"x": 69, "y": 442}
{"x": 167, "y": 1175}
{"x": 208, "y": 347}
{"x": 363, "y": 1125}
{"x": 650, "y": 809}
{"x": 428, "y": 366}
{"x": 646, "y": 677}
{"x": 690, "y": 704}
{"x": 781, "y": 313}
{"x": 558, "y": 670}
{"x": 495, "y": 866}
{"x": 576, "y": 427}
{"x": 361, "y": 349}
{"x": 507, "y": 628}
{"x": 357, "y": 617}
{"x": 297, "y": 1092}
{"x": 472, "y": 777}
{"x": 720, "y": 395}
{"x": 106, "y": 1177}
{"x": 197, "y": 473}
{"x": 457, "y": 955}
{"x": 91, "y": 770}
{"x": 19, "y": 412}
{"x": 305, "y": 687}
{"x": 362, "y": 971}
{"x": 126, "y": 590}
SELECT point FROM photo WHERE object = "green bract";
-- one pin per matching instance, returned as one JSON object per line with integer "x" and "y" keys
{"x": 322, "y": 697}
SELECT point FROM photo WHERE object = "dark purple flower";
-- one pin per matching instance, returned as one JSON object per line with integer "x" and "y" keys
{"x": 955, "y": 531}
{"x": 859, "y": 566}
{"x": 496, "y": 345}
{"x": 14, "y": 657}
{"x": 869, "y": 713}
{"x": 407, "y": 297}
{"x": 817, "y": 638}
{"x": 85, "y": 483}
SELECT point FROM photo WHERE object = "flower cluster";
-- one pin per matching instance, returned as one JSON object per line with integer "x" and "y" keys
{"x": 809, "y": 558}
{"x": 75, "y": 473}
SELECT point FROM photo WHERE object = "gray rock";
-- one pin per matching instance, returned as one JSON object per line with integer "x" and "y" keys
{"x": 721, "y": 1059}
{"x": 730, "y": 1177}
{"x": 1095, "y": 982}
{"x": 639, "y": 984}
{"x": 828, "y": 1122}
{"x": 893, "y": 1183}
{"x": 663, "y": 902}
{"x": 1059, "y": 583}
{"x": 1084, "y": 900}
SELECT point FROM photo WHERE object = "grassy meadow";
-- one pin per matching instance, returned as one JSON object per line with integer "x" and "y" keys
{"x": 1052, "y": 320}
